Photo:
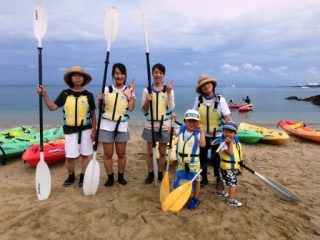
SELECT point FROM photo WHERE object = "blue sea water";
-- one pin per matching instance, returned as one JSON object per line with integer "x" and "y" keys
{"x": 19, "y": 104}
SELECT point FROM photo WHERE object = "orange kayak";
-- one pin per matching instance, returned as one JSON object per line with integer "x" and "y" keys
{"x": 299, "y": 129}
{"x": 53, "y": 152}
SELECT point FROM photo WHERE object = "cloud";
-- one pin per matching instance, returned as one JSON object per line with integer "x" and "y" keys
{"x": 230, "y": 69}
{"x": 313, "y": 71}
{"x": 194, "y": 62}
{"x": 247, "y": 68}
{"x": 282, "y": 70}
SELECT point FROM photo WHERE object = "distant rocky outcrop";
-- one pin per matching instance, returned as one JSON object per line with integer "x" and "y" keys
{"x": 313, "y": 99}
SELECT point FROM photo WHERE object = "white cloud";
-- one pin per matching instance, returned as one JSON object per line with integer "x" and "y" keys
{"x": 194, "y": 62}
{"x": 230, "y": 69}
{"x": 282, "y": 70}
{"x": 243, "y": 68}
{"x": 313, "y": 71}
{"x": 62, "y": 69}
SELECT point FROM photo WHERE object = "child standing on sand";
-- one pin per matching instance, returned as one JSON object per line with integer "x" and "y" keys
{"x": 230, "y": 163}
{"x": 190, "y": 138}
{"x": 79, "y": 119}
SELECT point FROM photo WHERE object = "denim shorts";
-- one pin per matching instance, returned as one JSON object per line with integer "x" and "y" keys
{"x": 111, "y": 137}
{"x": 163, "y": 138}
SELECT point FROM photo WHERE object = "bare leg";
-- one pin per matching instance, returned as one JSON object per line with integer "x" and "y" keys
{"x": 121, "y": 152}
{"x": 232, "y": 192}
{"x": 84, "y": 163}
{"x": 197, "y": 190}
{"x": 108, "y": 149}
{"x": 149, "y": 157}
{"x": 70, "y": 165}
{"x": 162, "y": 158}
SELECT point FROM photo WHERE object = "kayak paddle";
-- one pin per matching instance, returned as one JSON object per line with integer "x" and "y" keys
{"x": 43, "y": 177}
{"x": 178, "y": 197}
{"x": 92, "y": 174}
{"x": 154, "y": 160}
{"x": 165, "y": 184}
{"x": 280, "y": 190}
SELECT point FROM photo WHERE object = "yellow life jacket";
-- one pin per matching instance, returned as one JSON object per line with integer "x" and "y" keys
{"x": 115, "y": 106}
{"x": 77, "y": 111}
{"x": 159, "y": 106}
{"x": 231, "y": 162}
{"x": 210, "y": 116}
{"x": 188, "y": 151}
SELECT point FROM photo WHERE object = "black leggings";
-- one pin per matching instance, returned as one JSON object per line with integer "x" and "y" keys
{"x": 214, "y": 161}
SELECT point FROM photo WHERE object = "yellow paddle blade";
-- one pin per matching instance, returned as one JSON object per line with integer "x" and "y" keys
{"x": 177, "y": 198}
{"x": 165, "y": 186}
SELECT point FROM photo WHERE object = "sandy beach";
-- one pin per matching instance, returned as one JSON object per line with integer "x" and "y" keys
{"x": 134, "y": 211}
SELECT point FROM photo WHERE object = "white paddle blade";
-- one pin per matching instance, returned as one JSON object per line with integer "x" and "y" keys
{"x": 145, "y": 30}
{"x": 91, "y": 177}
{"x": 43, "y": 179}
{"x": 40, "y": 22}
{"x": 111, "y": 24}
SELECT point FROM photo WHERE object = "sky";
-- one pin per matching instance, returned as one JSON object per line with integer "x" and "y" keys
{"x": 241, "y": 42}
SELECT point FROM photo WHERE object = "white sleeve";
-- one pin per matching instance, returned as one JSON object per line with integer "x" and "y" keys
{"x": 196, "y": 102}
{"x": 224, "y": 106}
{"x": 144, "y": 96}
{"x": 173, "y": 105}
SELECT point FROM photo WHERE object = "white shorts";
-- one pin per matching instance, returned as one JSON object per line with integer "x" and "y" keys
{"x": 72, "y": 148}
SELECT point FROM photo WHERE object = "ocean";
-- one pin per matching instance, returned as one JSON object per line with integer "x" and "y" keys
{"x": 19, "y": 104}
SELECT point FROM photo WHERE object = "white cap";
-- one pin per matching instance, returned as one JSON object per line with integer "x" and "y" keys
{"x": 192, "y": 114}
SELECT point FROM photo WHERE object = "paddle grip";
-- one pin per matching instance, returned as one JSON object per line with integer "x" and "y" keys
{"x": 40, "y": 98}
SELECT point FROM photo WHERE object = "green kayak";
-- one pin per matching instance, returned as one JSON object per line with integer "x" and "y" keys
{"x": 10, "y": 133}
{"x": 15, "y": 147}
{"x": 249, "y": 136}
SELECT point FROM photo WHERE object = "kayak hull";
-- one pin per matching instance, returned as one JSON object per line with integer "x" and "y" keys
{"x": 53, "y": 152}
{"x": 299, "y": 129}
{"x": 249, "y": 136}
{"x": 269, "y": 136}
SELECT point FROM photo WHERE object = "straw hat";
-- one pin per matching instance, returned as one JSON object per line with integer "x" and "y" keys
{"x": 203, "y": 79}
{"x": 76, "y": 69}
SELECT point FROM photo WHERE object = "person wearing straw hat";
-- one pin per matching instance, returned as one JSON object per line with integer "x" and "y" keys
{"x": 190, "y": 138}
{"x": 79, "y": 119}
{"x": 213, "y": 110}
{"x": 118, "y": 100}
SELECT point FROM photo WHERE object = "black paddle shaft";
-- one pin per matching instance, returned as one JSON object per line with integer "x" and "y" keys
{"x": 249, "y": 169}
{"x": 150, "y": 101}
{"x": 106, "y": 63}
{"x": 40, "y": 98}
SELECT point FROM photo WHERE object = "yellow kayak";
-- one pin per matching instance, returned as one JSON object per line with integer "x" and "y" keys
{"x": 270, "y": 136}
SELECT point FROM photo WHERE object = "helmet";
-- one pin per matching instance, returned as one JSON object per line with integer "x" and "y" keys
{"x": 192, "y": 114}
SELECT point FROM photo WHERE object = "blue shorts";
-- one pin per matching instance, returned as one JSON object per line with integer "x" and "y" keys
{"x": 184, "y": 176}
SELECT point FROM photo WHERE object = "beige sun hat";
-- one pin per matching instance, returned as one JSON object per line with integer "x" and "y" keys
{"x": 203, "y": 79}
{"x": 76, "y": 69}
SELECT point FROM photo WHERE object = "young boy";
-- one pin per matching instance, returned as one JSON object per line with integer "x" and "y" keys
{"x": 190, "y": 138}
{"x": 230, "y": 155}
{"x": 79, "y": 119}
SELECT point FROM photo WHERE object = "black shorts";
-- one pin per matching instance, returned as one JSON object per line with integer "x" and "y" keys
{"x": 229, "y": 177}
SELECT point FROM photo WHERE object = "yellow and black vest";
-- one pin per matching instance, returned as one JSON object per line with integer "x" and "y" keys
{"x": 115, "y": 106}
{"x": 159, "y": 105}
{"x": 210, "y": 116}
{"x": 77, "y": 111}
{"x": 231, "y": 162}
{"x": 188, "y": 150}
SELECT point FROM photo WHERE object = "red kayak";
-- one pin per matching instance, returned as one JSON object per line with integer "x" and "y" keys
{"x": 246, "y": 108}
{"x": 299, "y": 129}
{"x": 53, "y": 153}
{"x": 235, "y": 106}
